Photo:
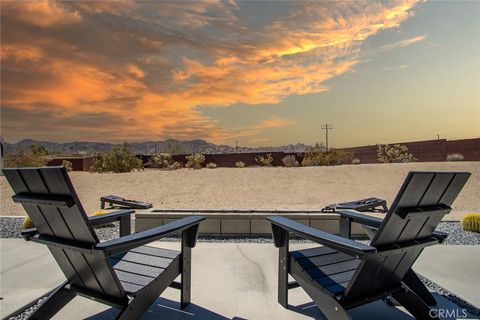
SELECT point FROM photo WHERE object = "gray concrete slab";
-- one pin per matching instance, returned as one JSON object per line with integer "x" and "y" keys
{"x": 455, "y": 268}
{"x": 27, "y": 271}
{"x": 230, "y": 281}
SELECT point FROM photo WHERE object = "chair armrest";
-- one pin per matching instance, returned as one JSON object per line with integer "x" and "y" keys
{"x": 441, "y": 236}
{"x": 27, "y": 234}
{"x": 109, "y": 217}
{"x": 138, "y": 239}
{"x": 330, "y": 240}
{"x": 358, "y": 217}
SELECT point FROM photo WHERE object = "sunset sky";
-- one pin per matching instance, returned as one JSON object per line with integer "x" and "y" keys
{"x": 264, "y": 73}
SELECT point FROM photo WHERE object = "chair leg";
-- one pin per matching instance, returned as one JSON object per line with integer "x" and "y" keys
{"x": 413, "y": 282}
{"x": 415, "y": 305}
{"x": 137, "y": 307}
{"x": 283, "y": 263}
{"x": 327, "y": 304}
{"x": 144, "y": 298}
{"x": 55, "y": 301}
{"x": 186, "y": 277}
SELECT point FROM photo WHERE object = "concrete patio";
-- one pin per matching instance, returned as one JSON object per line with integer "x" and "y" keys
{"x": 229, "y": 281}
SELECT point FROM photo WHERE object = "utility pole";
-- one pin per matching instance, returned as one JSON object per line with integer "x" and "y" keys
{"x": 326, "y": 127}
{"x": 236, "y": 146}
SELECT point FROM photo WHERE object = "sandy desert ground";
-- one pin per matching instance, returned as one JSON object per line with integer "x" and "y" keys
{"x": 309, "y": 188}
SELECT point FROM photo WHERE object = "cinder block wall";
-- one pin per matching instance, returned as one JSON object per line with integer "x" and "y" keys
{"x": 243, "y": 224}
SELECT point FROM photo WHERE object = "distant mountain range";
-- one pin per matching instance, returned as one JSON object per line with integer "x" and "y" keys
{"x": 148, "y": 147}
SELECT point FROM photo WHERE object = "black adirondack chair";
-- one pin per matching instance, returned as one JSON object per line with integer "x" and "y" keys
{"x": 343, "y": 273}
{"x": 123, "y": 272}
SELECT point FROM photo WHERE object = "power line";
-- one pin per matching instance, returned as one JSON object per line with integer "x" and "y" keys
{"x": 326, "y": 127}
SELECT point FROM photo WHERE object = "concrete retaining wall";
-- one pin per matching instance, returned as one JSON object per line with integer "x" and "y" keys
{"x": 243, "y": 224}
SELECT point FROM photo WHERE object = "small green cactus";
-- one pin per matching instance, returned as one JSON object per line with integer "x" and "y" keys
{"x": 471, "y": 222}
{"x": 27, "y": 223}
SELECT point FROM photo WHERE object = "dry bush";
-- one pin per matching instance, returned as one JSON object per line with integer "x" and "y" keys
{"x": 326, "y": 158}
{"x": 337, "y": 157}
{"x": 68, "y": 165}
{"x": 162, "y": 160}
{"x": 211, "y": 165}
{"x": 396, "y": 153}
{"x": 240, "y": 164}
{"x": 313, "y": 155}
{"x": 120, "y": 159}
{"x": 455, "y": 157}
{"x": 356, "y": 161}
{"x": 264, "y": 161}
{"x": 290, "y": 161}
{"x": 38, "y": 150}
{"x": 195, "y": 161}
{"x": 22, "y": 158}
{"x": 175, "y": 166}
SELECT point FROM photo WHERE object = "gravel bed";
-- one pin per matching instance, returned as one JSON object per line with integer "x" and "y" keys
{"x": 456, "y": 235}
{"x": 27, "y": 312}
{"x": 10, "y": 228}
{"x": 452, "y": 297}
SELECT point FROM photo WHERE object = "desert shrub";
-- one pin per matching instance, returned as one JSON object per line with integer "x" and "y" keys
{"x": 240, "y": 164}
{"x": 471, "y": 222}
{"x": 161, "y": 161}
{"x": 264, "y": 161}
{"x": 39, "y": 150}
{"x": 290, "y": 161}
{"x": 105, "y": 225}
{"x": 27, "y": 223}
{"x": 97, "y": 163}
{"x": 394, "y": 154}
{"x": 312, "y": 156}
{"x": 195, "y": 161}
{"x": 455, "y": 157}
{"x": 336, "y": 157}
{"x": 22, "y": 158}
{"x": 120, "y": 159}
{"x": 356, "y": 161}
{"x": 326, "y": 158}
{"x": 175, "y": 166}
{"x": 211, "y": 165}
{"x": 68, "y": 165}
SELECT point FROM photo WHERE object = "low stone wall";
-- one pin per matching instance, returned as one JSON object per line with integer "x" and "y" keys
{"x": 236, "y": 224}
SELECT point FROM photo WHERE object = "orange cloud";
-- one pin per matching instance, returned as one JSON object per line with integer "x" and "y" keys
{"x": 404, "y": 43}
{"x": 41, "y": 13}
{"x": 150, "y": 65}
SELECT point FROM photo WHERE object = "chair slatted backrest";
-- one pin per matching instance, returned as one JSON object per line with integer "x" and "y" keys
{"x": 87, "y": 271}
{"x": 422, "y": 202}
